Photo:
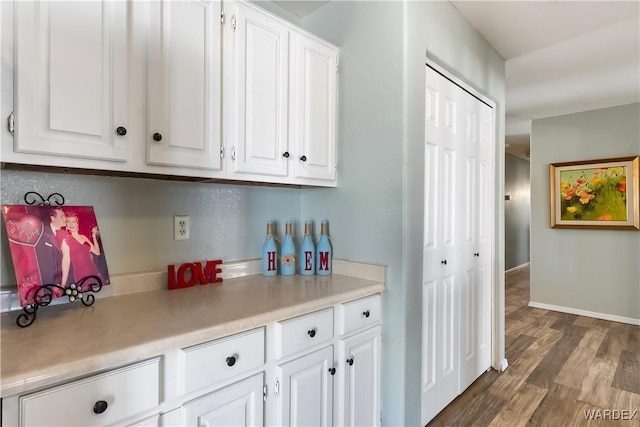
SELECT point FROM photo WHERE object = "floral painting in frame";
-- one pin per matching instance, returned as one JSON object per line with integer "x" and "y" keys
{"x": 600, "y": 194}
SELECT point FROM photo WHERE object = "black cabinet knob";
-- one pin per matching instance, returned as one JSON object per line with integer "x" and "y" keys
{"x": 231, "y": 360}
{"x": 303, "y": 158}
{"x": 350, "y": 361}
{"x": 157, "y": 137}
{"x": 99, "y": 407}
{"x": 122, "y": 131}
{"x": 311, "y": 332}
{"x": 285, "y": 154}
{"x": 332, "y": 371}
{"x": 477, "y": 254}
{"x": 365, "y": 313}
{"x": 444, "y": 261}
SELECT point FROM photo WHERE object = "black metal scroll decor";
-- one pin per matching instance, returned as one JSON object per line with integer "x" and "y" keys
{"x": 43, "y": 295}
{"x": 31, "y": 198}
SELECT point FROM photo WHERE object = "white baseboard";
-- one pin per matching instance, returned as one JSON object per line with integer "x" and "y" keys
{"x": 504, "y": 365}
{"x": 569, "y": 310}
{"x": 518, "y": 267}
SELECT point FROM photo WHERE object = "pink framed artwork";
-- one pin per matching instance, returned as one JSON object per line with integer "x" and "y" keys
{"x": 53, "y": 245}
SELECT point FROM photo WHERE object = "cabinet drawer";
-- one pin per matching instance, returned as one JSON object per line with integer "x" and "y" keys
{"x": 303, "y": 332}
{"x": 360, "y": 314}
{"x": 120, "y": 393}
{"x": 209, "y": 363}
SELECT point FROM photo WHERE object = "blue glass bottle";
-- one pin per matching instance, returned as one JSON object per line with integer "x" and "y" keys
{"x": 307, "y": 251}
{"x": 270, "y": 253}
{"x": 323, "y": 251}
{"x": 288, "y": 251}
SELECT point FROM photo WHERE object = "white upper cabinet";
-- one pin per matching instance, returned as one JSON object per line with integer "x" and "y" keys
{"x": 281, "y": 108}
{"x": 184, "y": 84}
{"x": 313, "y": 112}
{"x": 71, "y": 83}
{"x": 258, "y": 141}
{"x": 200, "y": 88}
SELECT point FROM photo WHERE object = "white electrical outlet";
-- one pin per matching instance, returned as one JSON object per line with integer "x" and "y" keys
{"x": 181, "y": 227}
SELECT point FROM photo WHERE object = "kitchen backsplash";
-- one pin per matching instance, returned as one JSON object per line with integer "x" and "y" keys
{"x": 136, "y": 217}
{"x": 123, "y": 284}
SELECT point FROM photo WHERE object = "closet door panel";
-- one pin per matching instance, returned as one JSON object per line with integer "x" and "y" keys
{"x": 456, "y": 285}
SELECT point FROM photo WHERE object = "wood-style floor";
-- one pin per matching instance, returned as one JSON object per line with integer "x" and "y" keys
{"x": 560, "y": 365}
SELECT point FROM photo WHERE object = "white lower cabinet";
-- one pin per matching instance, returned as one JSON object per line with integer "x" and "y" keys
{"x": 224, "y": 359}
{"x": 305, "y": 397}
{"x": 109, "y": 398}
{"x": 320, "y": 369}
{"x": 240, "y": 404}
{"x": 358, "y": 400}
{"x": 361, "y": 374}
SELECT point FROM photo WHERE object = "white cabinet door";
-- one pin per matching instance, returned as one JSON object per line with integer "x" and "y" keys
{"x": 258, "y": 140}
{"x": 313, "y": 112}
{"x": 361, "y": 398}
{"x": 184, "y": 84}
{"x": 240, "y": 404}
{"x": 306, "y": 390}
{"x": 71, "y": 78}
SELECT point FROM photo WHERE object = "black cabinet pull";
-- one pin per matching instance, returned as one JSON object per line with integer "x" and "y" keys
{"x": 285, "y": 154}
{"x": 303, "y": 158}
{"x": 231, "y": 360}
{"x": 121, "y": 130}
{"x": 332, "y": 371}
{"x": 477, "y": 254}
{"x": 99, "y": 407}
{"x": 157, "y": 137}
{"x": 365, "y": 313}
{"x": 444, "y": 261}
{"x": 311, "y": 332}
{"x": 350, "y": 361}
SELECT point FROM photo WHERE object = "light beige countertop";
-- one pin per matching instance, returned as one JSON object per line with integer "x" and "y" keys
{"x": 71, "y": 340}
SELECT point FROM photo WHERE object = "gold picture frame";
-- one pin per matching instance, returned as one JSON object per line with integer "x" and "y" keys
{"x": 596, "y": 194}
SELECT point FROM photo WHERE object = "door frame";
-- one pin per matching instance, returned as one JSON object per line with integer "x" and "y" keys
{"x": 498, "y": 358}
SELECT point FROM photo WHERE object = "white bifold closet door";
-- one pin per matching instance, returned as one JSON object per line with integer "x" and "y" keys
{"x": 457, "y": 253}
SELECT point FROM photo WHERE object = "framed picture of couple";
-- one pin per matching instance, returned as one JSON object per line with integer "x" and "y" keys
{"x": 53, "y": 245}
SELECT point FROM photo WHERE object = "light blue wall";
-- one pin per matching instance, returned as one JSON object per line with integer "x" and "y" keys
{"x": 135, "y": 216}
{"x": 517, "y": 218}
{"x": 592, "y": 270}
{"x": 366, "y": 209}
{"x": 377, "y": 210}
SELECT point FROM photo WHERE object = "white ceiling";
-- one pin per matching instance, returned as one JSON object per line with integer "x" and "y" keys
{"x": 561, "y": 57}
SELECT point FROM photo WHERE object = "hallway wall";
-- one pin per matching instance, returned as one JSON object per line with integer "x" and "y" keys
{"x": 517, "y": 215}
{"x": 590, "y": 272}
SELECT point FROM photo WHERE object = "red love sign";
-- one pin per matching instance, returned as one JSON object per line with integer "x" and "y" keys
{"x": 190, "y": 273}
{"x": 25, "y": 230}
